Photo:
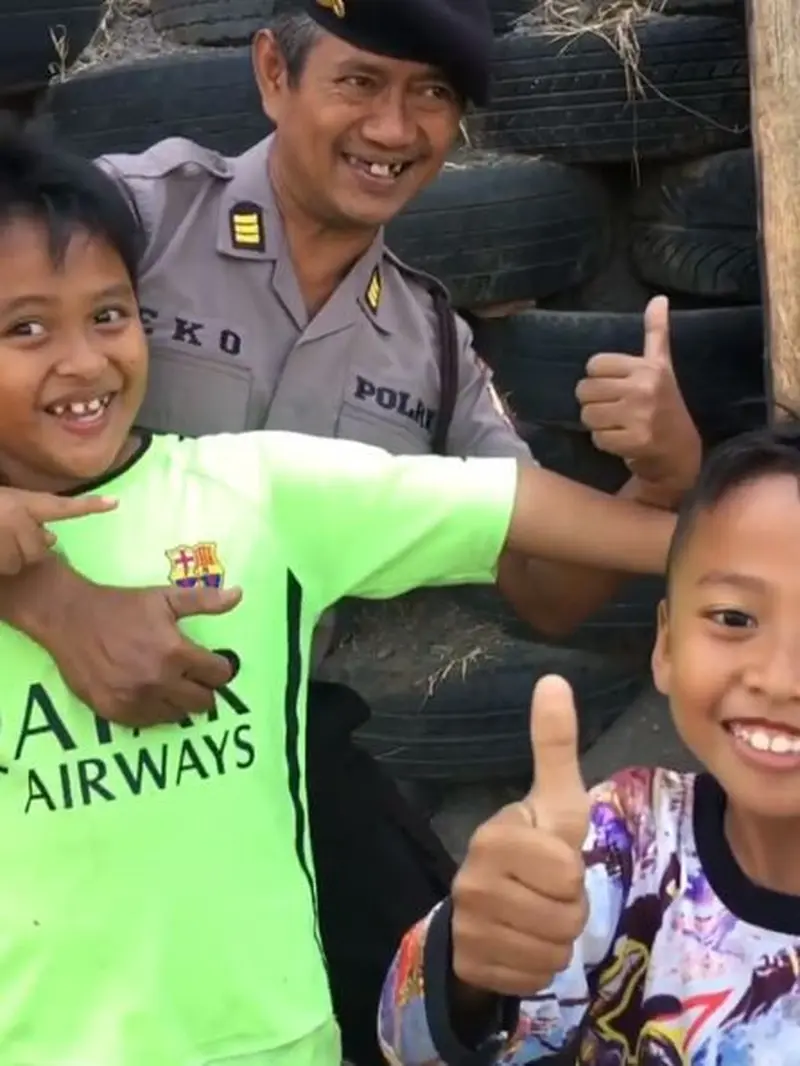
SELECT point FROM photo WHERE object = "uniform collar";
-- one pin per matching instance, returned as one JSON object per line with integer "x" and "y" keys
{"x": 250, "y": 227}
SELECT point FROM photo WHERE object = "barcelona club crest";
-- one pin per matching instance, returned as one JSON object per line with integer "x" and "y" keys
{"x": 196, "y": 564}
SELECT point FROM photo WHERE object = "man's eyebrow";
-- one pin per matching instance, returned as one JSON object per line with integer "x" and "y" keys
{"x": 731, "y": 577}
{"x": 364, "y": 66}
{"x": 113, "y": 292}
{"x": 360, "y": 66}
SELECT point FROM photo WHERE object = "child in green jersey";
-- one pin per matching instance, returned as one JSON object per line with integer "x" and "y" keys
{"x": 157, "y": 898}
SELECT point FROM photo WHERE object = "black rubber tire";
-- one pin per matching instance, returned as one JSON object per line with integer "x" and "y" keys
{"x": 505, "y": 13}
{"x": 694, "y": 229}
{"x": 570, "y": 100}
{"x": 497, "y": 229}
{"x": 24, "y": 106}
{"x": 473, "y": 725}
{"x": 209, "y": 97}
{"x": 211, "y": 22}
{"x": 39, "y": 38}
{"x": 724, "y": 8}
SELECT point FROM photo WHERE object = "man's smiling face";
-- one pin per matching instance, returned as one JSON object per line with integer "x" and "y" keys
{"x": 359, "y": 134}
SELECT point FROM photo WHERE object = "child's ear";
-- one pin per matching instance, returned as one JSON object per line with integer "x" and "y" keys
{"x": 660, "y": 661}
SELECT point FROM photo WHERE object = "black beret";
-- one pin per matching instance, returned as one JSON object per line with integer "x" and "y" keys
{"x": 453, "y": 35}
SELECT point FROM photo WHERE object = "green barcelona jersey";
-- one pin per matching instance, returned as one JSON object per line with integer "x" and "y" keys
{"x": 157, "y": 896}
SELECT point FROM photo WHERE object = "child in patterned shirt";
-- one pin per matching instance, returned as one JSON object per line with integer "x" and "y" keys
{"x": 654, "y": 921}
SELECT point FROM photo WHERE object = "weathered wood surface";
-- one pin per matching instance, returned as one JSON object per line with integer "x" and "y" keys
{"x": 774, "y": 46}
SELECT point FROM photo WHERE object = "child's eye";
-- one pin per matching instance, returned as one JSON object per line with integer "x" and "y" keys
{"x": 111, "y": 316}
{"x": 732, "y": 618}
{"x": 28, "y": 328}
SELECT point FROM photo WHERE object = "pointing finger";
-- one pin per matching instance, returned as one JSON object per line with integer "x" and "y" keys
{"x": 47, "y": 507}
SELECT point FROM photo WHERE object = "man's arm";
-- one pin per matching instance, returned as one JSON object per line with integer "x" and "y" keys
{"x": 553, "y": 597}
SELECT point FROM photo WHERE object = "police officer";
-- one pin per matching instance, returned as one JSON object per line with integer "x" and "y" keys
{"x": 272, "y": 301}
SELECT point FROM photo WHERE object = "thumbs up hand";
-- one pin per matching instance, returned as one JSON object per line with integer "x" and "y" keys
{"x": 519, "y": 902}
{"x": 633, "y": 406}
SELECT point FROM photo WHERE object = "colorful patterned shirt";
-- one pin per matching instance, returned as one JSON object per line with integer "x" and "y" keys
{"x": 683, "y": 962}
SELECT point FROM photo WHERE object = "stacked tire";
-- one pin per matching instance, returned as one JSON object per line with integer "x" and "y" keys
{"x": 597, "y": 177}
{"x": 40, "y": 39}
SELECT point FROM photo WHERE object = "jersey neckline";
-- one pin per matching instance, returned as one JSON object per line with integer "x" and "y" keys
{"x": 145, "y": 440}
{"x": 746, "y": 900}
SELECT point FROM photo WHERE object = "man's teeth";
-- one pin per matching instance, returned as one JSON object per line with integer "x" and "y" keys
{"x": 767, "y": 740}
{"x": 82, "y": 408}
{"x": 378, "y": 170}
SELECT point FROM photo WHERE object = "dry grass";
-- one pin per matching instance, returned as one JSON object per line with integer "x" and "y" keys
{"x": 125, "y": 33}
{"x": 612, "y": 20}
{"x": 615, "y": 22}
{"x": 421, "y": 639}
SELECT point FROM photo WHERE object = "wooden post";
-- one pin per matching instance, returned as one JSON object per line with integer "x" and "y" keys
{"x": 774, "y": 47}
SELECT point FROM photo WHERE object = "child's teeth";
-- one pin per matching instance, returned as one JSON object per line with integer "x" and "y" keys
{"x": 762, "y": 740}
{"x": 82, "y": 408}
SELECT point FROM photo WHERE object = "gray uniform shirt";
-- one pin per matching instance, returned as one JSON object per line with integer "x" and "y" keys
{"x": 233, "y": 347}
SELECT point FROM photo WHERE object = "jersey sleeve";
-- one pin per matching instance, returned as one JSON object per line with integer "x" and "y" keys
{"x": 357, "y": 521}
{"x": 414, "y": 1017}
{"x": 482, "y": 423}
{"x": 354, "y": 520}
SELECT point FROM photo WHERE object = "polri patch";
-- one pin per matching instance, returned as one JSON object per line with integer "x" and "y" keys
{"x": 247, "y": 227}
{"x": 374, "y": 290}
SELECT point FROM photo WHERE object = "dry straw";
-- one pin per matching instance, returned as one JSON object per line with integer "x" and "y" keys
{"x": 614, "y": 21}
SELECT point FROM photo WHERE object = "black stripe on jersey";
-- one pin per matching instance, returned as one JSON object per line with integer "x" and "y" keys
{"x": 294, "y": 673}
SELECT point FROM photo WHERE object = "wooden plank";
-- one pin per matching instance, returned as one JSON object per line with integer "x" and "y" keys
{"x": 774, "y": 47}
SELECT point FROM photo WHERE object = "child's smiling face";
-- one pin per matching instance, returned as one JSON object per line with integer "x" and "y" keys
{"x": 728, "y": 650}
{"x": 73, "y": 358}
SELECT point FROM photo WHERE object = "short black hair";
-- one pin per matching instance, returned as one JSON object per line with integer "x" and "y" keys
{"x": 47, "y": 183}
{"x": 740, "y": 461}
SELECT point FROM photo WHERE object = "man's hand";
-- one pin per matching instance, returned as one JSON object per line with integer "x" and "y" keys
{"x": 120, "y": 650}
{"x": 519, "y": 902}
{"x": 634, "y": 408}
{"x": 24, "y": 540}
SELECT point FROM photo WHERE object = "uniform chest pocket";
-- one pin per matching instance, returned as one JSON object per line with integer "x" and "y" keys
{"x": 388, "y": 414}
{"x": 197, "y": 395}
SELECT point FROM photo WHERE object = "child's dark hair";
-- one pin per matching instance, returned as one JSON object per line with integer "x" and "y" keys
{"x": 740, "y": 461}
{"x": 41, "y": 181}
